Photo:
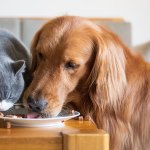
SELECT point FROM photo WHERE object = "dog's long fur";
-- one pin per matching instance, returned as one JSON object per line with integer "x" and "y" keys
{"x": 109, "y": 82}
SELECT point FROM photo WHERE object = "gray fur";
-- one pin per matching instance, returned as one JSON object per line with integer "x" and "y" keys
{"x": 14, "y": 66}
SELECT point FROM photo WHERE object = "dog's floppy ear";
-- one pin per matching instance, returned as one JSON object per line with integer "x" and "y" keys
{"x": 107, "y": 78}
{"x": 33, "y": 50}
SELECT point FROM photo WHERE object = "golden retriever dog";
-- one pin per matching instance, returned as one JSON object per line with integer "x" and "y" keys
{"x": 77, "y": 62}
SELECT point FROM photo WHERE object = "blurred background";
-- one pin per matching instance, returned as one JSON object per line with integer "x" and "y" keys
{"x": 133, "y": 17}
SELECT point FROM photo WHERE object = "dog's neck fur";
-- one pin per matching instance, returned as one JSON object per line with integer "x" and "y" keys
{"x": 134, "y": 100}
{"x": 117, "y": 120}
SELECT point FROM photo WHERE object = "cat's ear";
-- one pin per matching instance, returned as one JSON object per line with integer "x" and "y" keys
{"x": 18, "y": 67}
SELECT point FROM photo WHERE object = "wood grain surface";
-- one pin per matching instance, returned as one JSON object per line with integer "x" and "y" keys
{"x": 73, "y": 135}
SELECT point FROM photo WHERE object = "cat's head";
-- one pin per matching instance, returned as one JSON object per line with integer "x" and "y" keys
{"x": 11, "y": 83}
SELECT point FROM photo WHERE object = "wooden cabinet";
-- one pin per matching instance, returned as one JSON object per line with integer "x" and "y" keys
{"x": 73, "y": 135}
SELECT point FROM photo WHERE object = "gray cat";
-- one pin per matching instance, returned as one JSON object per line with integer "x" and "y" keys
{"x": 14, "y": 67}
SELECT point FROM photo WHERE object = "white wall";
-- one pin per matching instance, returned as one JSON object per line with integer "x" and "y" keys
{"x": 135, "y": 11}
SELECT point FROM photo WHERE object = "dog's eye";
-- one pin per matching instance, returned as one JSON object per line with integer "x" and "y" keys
{"x": 40, "y": 55}
{"x": 71, "y": 65}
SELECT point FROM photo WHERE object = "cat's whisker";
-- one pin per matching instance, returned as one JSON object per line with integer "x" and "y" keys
{"x": 27, "y": 106}
{"x": 8, "y": 97}
{"x": 21, "y": 104}
{"x": 17, "y": 104}
{"x": 11, "y": 111}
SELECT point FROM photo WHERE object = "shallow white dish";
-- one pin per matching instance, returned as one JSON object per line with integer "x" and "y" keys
{"x": 40, "y": 122}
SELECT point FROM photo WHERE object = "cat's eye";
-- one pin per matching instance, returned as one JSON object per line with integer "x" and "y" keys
{"x": 71, "y": 65}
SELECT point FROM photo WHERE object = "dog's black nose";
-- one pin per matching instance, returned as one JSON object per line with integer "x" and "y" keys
{"x": 37, "y": 105}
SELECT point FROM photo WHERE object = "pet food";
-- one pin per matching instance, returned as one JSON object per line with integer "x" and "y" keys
{"x": 1, "y": 114}
{"x": 80, "y": 118}
{"x": 11, "y": 116}
{"x": 8, "y": 125}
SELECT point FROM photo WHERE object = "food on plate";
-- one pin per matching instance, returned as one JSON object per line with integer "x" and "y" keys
{"x": 32, "y": 115}
{"x": 1, "y": 114}
{"x": 72, "y": 112}
{"x": 11, "y": 116}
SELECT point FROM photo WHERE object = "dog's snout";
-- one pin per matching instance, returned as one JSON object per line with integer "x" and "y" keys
{"x": 37, "y": 105}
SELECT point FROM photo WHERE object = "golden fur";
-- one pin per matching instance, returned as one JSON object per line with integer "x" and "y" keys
{"x": 80, "y": 63}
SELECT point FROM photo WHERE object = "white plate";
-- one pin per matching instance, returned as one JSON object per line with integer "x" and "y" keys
{"x": 40, "y": 122}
